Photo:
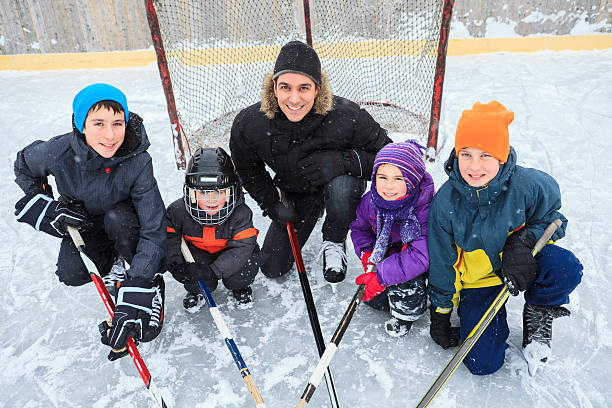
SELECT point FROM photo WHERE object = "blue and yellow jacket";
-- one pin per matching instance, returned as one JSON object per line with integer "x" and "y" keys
{"x": 468, "y": 226}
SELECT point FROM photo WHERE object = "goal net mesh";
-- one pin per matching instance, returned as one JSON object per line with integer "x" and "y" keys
{"x": 379, "y": 53}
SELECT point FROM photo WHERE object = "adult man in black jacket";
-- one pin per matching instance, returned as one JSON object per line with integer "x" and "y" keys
{"x": 321, "y": 148}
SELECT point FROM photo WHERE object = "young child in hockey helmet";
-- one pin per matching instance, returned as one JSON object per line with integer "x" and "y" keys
{"x": 211, "y": 186}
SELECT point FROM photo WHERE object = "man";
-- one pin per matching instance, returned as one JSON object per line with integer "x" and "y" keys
{"x": 321, "y": 148}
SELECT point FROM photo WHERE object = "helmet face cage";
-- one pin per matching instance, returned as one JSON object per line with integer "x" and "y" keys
{"x": 203, "y": 203}
{"x": 211, "y": 186}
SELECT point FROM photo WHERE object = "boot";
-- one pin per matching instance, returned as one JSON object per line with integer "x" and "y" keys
{"x": 243, "y": 296}
{"x": 116, "y": 274}
{"x": 397, "y": 328}
{"x": 537, "y": 333}
{"x": 192, "y": 300}
{"x": 334, "y": 261}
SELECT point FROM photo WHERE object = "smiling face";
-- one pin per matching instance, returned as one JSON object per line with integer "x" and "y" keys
{"x": 295, "y": 94}
{"x": 212, "y": 201}
{"x": 477, "y": 167}
{"x": 104, "y": 131}
{"x": 390, "y": 183}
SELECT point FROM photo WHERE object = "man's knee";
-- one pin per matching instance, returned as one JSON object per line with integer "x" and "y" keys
{"x": 276, "y": 266}
{"x": 344, "y": 191}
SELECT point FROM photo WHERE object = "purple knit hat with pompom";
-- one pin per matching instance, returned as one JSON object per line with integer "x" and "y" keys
{"x": 406, "y": 156}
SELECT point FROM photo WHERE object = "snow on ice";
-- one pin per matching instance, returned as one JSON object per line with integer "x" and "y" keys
{"x": 49, "y": 343}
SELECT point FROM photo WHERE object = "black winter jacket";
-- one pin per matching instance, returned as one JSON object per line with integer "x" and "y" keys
{"x": 99, "y": 183}
{"x": 257, "y": 141}
{"x": 230, "y": 244}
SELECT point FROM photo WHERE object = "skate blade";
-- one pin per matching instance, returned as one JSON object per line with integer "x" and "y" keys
{"x": 532, "y": 367}
{"x": 334, "y": 287}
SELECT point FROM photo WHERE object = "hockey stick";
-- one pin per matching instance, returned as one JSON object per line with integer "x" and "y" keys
{"x": 480, "y": 327}
{"x": 110, "y": 306}
{"x": 225, "y": 332}
{"x": 312, "y": 312}
{"x": 331, "y": 348}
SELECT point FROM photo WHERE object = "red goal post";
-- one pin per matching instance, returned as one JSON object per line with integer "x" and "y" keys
{"x": 387, "y": 55}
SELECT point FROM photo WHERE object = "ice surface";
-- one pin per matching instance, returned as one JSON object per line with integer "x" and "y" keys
{"x": 50, "y": 354}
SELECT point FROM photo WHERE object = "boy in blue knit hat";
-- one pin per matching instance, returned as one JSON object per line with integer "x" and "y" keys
{"x": 106, "y": 188}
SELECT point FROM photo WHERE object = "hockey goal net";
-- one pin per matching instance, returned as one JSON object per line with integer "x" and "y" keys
{"x": 386, "y": 55}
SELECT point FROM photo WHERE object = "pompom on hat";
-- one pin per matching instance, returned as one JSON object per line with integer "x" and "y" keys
{"x": 298, "y": 58}
{"x": 485, "y": 127}
{"x": 92, "y": 94}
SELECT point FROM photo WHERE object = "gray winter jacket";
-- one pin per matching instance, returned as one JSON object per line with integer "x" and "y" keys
{"x": 99, "y": 183}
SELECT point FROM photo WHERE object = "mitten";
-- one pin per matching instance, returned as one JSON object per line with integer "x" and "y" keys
{"x": 372, "y": 285}
{"x": 519, "y": 267}
{"x": 440, "y": 329}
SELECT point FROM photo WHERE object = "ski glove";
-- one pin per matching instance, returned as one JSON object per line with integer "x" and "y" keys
{"x": 373, "y": 287}
{"x": 319, "y": 168}
{"x": 138, "y": 313}
{"x": 440, "y": 329}
{"x": 519, "y": 267}
{"x": 192, "y": 271}
{"x": 282, "y": 213}
{"x": 45, "y": 214}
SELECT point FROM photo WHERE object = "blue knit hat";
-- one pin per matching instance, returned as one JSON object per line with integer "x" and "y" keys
{"x": 406, "y": 156}
{"x": 92, "y": 94}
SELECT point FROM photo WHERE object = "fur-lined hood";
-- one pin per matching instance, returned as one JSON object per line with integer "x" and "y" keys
{"x": 324, "y": 102}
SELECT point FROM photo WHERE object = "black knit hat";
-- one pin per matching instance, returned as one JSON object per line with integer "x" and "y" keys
{"x": 298, "y": 58}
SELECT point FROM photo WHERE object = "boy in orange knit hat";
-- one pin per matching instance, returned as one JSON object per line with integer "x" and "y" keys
{"x": 483, "y": 224}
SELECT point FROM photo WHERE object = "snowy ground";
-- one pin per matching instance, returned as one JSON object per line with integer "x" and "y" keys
{"x": 49, "y": 347}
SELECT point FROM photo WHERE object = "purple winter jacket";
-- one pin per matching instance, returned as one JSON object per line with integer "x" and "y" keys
{"x": 400, "y": 265}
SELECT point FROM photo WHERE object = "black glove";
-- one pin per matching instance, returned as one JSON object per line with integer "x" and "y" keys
{"x": 189, "y": 272}
{"x": 519, "y": 267}
{"x": 139, "y": 306}
{"x": 45, "y": 214}
{"x": 440, "y": 329}
{"x": 282, "y": 213}
{"x": 320, "y": 168}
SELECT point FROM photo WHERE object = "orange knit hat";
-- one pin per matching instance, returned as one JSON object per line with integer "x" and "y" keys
{"x": 485, "y": 127}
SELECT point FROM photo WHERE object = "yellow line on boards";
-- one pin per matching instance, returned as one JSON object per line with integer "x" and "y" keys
{"x": 352, "y": 49}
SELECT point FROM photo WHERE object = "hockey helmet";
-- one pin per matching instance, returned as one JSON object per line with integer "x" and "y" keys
{"x": 211, "y": 186}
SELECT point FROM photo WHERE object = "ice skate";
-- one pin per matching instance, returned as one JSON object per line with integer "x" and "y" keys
{"x": 192, "y": 302}
{"x": 243, "y": 296}
{"x": 116, "y": 274}
{"x": 537, "y": 333}
{"x": 397, "y": 328}
{"x": 334, "y": 262}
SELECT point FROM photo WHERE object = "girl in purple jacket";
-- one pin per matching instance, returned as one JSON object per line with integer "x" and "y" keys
{"x": 390, "y": 235}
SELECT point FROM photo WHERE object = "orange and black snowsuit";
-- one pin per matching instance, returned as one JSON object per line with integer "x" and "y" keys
{"x": 226, "y": 247}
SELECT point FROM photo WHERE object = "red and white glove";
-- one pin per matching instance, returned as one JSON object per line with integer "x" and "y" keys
{"x": 365, "y": 257}
{"x": 372, "y": 285}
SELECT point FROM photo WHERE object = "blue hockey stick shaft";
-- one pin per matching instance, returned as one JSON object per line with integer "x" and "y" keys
{"x": 225, "y": 332}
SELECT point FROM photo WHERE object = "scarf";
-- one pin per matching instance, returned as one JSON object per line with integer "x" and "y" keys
{"x": 387, "y": 212}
